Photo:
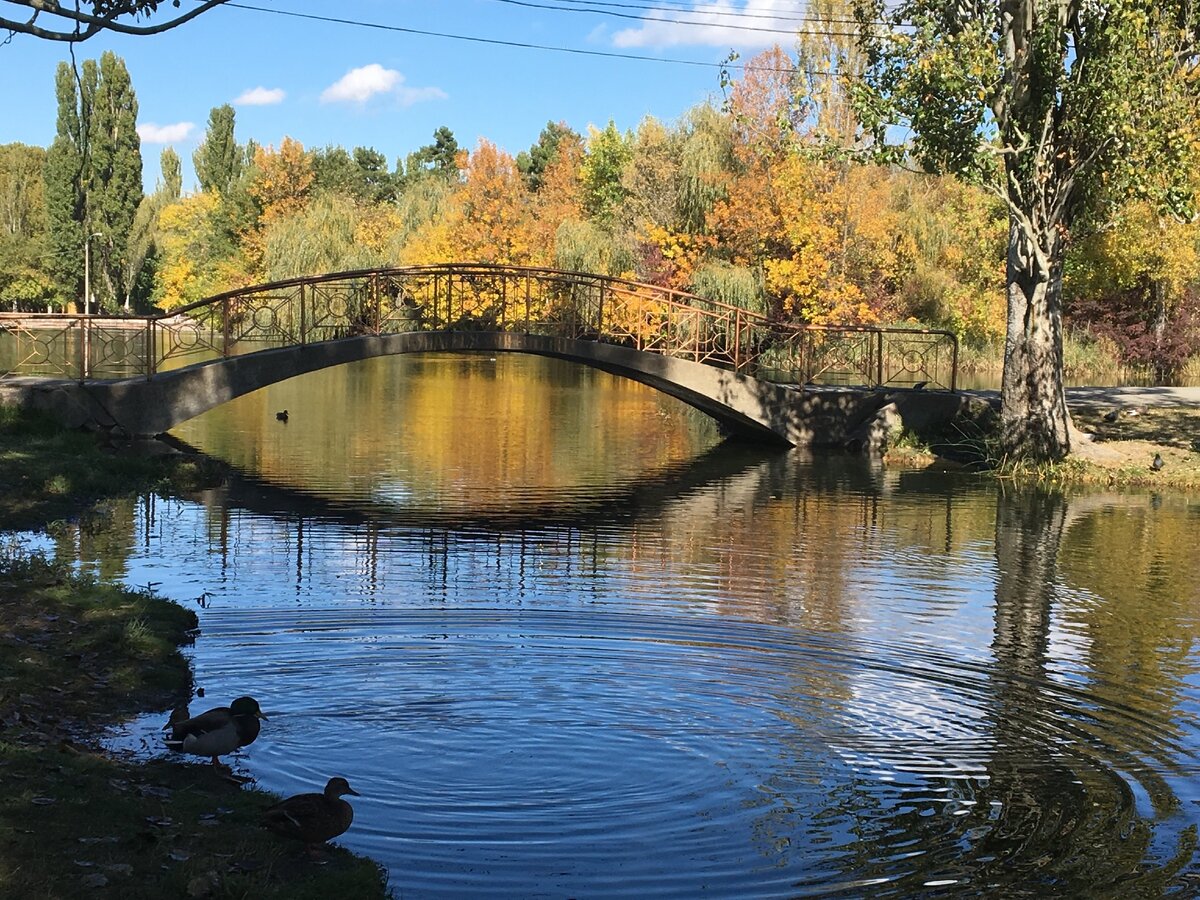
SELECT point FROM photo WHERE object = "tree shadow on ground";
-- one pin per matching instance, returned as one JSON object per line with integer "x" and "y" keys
{"x": 1170, "y": 426}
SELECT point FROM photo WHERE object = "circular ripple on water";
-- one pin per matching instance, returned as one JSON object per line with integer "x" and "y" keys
{"x": 518, "y": 753}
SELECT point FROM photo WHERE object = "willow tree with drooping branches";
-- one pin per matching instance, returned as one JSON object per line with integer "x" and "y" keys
{"x": 1064, "y": 108}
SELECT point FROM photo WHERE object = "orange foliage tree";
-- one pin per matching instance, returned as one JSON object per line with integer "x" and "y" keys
{"x": 281, "y": 182}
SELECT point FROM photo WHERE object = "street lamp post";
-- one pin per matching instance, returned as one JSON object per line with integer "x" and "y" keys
{"x": 86, "y": 368}
{"x": 87, "y": 272}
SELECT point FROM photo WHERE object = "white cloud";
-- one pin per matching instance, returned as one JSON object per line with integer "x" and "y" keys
{"x": 165, "y": 134}
{"x": 713, "y": 29}
{"x": 261, "y": 96}
{"x": 359, "y": 85}
{"x": 408, "y": 95}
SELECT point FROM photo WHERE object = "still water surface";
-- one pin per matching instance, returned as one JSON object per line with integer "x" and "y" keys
{"x": 565, "y": 643}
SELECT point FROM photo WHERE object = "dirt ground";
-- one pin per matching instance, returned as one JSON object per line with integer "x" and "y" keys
{"x": 1126, "y": 446}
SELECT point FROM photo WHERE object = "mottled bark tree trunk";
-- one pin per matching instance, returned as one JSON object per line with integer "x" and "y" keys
{"x": 1162, "y": 367}
{"x": 1034, "y": 419}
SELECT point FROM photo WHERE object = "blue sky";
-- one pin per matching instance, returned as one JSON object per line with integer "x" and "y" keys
{"x": 326, "y": 83}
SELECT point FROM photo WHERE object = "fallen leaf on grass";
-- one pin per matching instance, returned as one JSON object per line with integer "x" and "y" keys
{"x": 203, "y": 885}
{"x": 95, "y": 881}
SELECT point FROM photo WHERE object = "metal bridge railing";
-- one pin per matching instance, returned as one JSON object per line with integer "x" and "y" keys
{"x": 474, "y": 297}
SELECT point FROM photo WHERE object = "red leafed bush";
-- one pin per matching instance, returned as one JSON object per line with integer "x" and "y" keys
{"x": 1131, "y": 324}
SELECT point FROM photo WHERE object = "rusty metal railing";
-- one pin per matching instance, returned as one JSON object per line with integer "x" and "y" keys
{"x": 475, "y": 297}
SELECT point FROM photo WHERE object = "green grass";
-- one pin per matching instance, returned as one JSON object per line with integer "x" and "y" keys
{"x": 47, "y": 472}
{"x": 1119, "y": 455}
{"x": 76, "y": 655}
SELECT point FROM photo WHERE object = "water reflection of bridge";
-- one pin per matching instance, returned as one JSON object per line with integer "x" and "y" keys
{"x": 146, "y": 375}
{"x": 1074, "y": 708}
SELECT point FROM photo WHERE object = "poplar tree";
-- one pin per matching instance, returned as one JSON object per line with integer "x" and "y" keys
{"x": 172, "y": 175}
{"x": 218, "y": 160}
{"x": 93, "y": 179}
{"x": 1064, "y": 109}
{"x": 114, "y": 174}
{"x": 65, "y": 203}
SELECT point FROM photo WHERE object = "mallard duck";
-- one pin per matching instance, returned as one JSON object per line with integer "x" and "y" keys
{"x": 282, "y": 416}
{"x": 313, "y": 818}
{"x": 218, "y": 731}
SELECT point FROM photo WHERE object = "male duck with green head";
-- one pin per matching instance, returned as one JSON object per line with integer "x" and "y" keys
{"x": 218, "y": 731}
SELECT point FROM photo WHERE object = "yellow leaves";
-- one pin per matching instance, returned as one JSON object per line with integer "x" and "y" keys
{"x": 188, "y": 270}
{"x": 174, "y": 280}
{"x": 682, "y": 253}
{"x": 489, "y": 218}
{"x": 377, "y": 228}
{"x": 282, "y": 179}
{"x": 823, "y": 234}
{"x": 1144, "y": 251}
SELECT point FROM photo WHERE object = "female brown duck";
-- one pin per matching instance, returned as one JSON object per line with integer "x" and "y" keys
{"x": 313, "y": 818}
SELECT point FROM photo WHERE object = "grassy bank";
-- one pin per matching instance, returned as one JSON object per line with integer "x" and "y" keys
{"x": 1122, "y": 452}
{"x": 76, "y": 656}
{"x": 48, "y": 473}
{"x": 1118, "y": 453}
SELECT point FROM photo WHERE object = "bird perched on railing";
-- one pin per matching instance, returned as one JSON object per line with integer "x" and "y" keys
{"x": 217, "y": 731}
{"x": 313, "y": 818}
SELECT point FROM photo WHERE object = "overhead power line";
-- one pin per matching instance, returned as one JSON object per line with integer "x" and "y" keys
{"x": 524, "y": 45}
{"x": 656, "y": 19}
{"x": 601, "y": 7}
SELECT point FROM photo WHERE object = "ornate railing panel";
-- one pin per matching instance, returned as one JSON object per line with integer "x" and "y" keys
{"x": 475, "y": 297}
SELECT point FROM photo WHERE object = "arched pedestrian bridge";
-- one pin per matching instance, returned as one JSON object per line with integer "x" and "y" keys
{"x": 145, "y": 375}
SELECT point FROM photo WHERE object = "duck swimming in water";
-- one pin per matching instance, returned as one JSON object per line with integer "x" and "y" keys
{"x": 217, "y": 731}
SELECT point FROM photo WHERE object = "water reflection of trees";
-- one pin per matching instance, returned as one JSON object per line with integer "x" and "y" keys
{"x": 1072, "y": 747}
{"x": 1084, "y": 678}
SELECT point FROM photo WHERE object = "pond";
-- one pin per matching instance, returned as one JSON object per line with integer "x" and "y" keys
{"x": 566, "y": 642}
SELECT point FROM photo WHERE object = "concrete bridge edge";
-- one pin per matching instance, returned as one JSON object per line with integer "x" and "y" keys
{"x": 748, "y": 406}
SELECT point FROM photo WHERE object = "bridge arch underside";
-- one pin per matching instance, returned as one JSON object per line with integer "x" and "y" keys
{"x": 747, "y": 406}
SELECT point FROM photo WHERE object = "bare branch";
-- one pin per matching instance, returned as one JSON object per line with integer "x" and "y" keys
{"x": 84, "y": 25}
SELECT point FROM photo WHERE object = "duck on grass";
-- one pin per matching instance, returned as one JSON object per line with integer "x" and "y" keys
{"x": 217, "y": 731}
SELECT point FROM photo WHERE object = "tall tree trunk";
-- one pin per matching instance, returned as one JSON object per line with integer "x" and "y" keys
{"x": 1034, "y": 420}
{"x": 1034, "y": 790}
{"x": 1162, "y": 367}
